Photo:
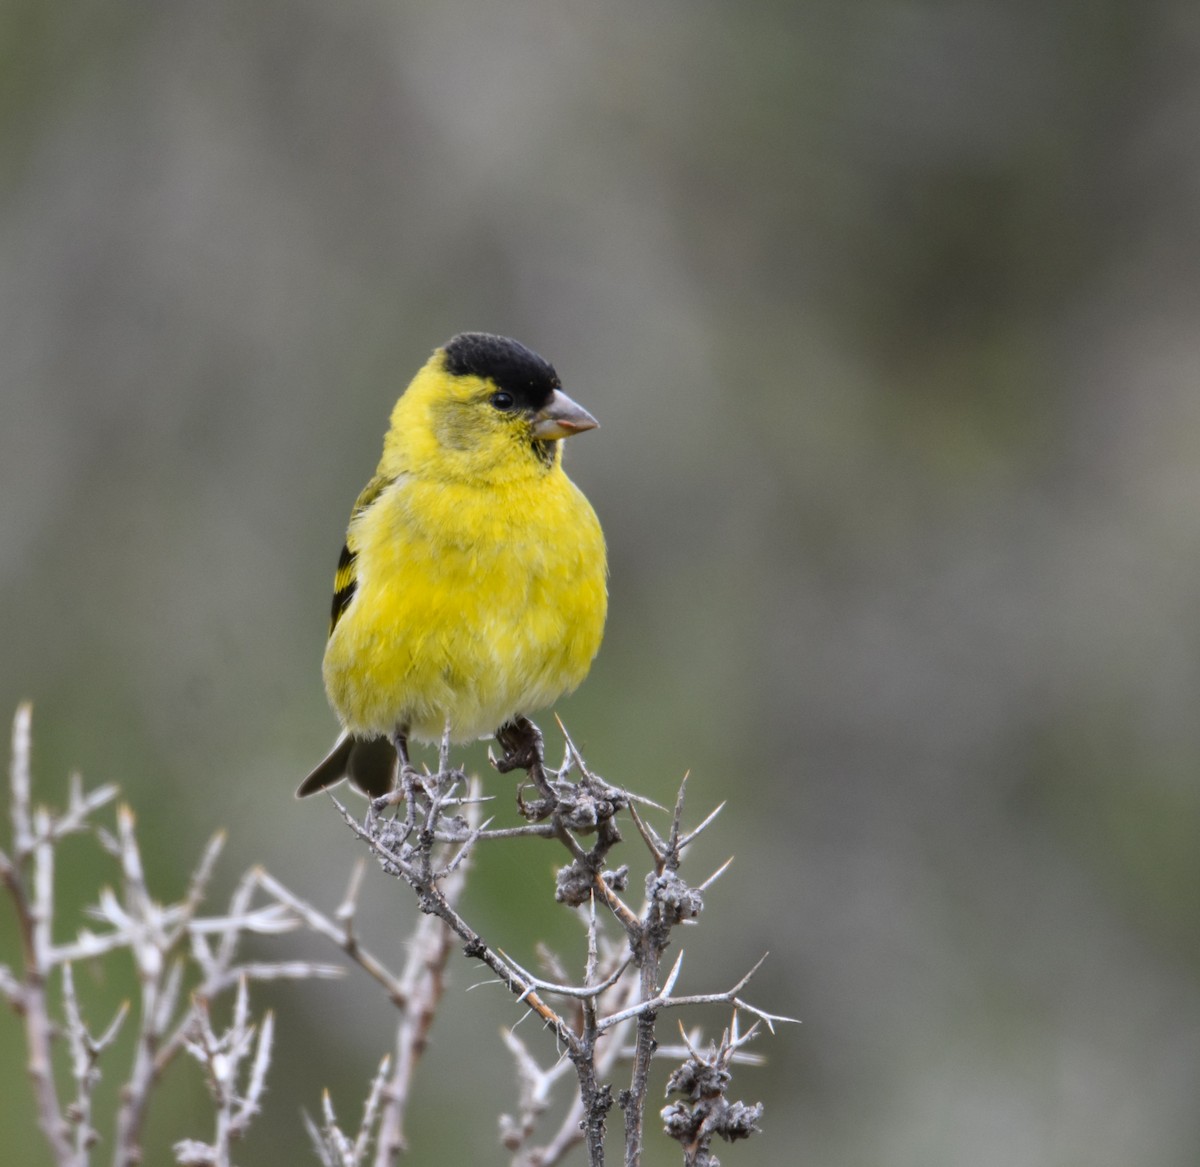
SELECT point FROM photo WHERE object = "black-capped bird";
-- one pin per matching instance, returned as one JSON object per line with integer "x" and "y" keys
{"x": 471, "y": 590}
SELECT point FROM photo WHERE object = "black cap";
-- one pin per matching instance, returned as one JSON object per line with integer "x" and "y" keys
{"x": 508, "y": 364}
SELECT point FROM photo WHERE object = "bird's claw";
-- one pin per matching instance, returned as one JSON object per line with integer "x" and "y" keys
{"x": 538, "y": 810}
{"x": 521, "y": 741}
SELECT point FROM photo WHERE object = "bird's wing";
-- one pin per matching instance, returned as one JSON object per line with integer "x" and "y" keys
{"x": 345, "y": 579}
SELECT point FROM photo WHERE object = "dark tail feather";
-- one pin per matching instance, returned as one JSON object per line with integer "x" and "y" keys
{"x": 331, "y": 770}
{"x": 369, "y": 763}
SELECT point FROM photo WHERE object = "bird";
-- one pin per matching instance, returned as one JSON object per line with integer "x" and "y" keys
{"x": 471, "y": 590}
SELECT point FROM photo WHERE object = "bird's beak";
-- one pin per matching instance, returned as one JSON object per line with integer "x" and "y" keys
{"x": 560, "y": 417}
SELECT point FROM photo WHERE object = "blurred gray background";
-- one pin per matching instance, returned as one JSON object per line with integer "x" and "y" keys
{"x": 889, "y": 312}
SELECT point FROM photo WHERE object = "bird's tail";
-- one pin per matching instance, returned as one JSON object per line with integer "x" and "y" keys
{"x": 369, "y": 763}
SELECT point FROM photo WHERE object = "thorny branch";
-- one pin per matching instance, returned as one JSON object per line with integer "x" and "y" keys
{"x": 172, "y": 945}
{"x": 333, "y": 1147}
{"x": 185, "y": 960}
{"x": 622, "y": 984}
{"x": 416, "y": 993}
{"x": 222, "y": 1056}
{"x": 706, "y": 1112}
{"x": 31, "y": 846}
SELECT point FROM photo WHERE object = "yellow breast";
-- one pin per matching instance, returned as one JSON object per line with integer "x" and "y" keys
{"x": 473, "y": 603}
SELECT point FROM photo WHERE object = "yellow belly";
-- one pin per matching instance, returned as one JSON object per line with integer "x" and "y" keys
{"x": 472, "y": 605}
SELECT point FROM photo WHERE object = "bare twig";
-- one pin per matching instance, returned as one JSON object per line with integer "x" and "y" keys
{"x": 222, "y": 1056}
{"x": 170, "y": 943}
{"x": 664, "y": 1000}
{"x": 423, "y": 983}
{"x": 332, "y": 1146}
{"x": 417, "y": 990}
{"x": 33, "y": 924}
{"x": 85, "y": 1055}
{"x": 342, "y": 936}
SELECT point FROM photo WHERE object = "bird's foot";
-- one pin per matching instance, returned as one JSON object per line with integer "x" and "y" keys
{"x": 521, "y": 741}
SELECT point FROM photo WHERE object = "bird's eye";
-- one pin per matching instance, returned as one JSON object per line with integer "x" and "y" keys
{"x": 503, "y": 400}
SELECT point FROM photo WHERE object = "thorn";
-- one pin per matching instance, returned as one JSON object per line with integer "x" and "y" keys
{"x": 677, "y": 819}
{"x": 673, "y": 975}
{"x": 568, "y": 760}
{"x": 349, "y": 904}
{"x": 715, "y": 875}
{"x": 765, "y": 1017}
{"x": 109, "y": 1035}
{"x": 649, "y": 837}
{"x": 746, "y": 979}
{"x": 642, "y": 800}
{"x": 574, "y": 753}
{"x": 691, "y": 1048}
{"x": 702, "y": 827}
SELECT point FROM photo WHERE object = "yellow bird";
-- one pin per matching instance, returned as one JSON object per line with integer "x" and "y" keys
{"x": 471, "y": 589}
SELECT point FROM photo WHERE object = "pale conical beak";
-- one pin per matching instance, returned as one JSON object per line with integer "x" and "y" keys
{"x": 560, "y": 417}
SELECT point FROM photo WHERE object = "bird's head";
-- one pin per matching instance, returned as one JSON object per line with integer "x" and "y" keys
{"x": 483, "y": 408}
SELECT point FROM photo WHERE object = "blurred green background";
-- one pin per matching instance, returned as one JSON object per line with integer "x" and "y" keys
{"x": 891, "y": 316}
